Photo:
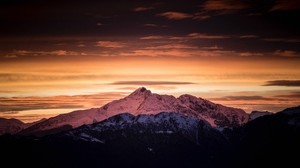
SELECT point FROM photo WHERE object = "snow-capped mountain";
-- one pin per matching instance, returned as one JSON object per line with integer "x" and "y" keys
{"x": 11, "y": 126}
{"x": 143, "y": 101}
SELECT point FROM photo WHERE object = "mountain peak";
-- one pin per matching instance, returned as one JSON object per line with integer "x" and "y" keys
{"x": 141, "y": 91}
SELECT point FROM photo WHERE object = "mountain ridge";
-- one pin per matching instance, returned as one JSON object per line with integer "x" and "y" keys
{"x": 143, "y": 101}
{"x": 167, "y": 139}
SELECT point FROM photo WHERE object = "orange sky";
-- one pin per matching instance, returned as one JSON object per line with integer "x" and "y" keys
{"x": 46, "y": 88}
{"x": 56, "y": 57}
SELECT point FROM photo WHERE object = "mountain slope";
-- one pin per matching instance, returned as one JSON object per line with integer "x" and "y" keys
{"x": 163, "y": 123}
{"x": 11, "y": 126}
{"x": 269, "y": 140}
{"x": 256, "y": 114}
{"x": 142, "y": 101}
{"x": 167, "y": 139}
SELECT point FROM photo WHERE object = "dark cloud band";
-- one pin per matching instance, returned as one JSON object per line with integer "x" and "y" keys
{"x": 288, "y": 83}
{"x": 150, "y": 83}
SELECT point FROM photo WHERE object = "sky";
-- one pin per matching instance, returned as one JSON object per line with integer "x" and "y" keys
{"x": 56, "y": 57}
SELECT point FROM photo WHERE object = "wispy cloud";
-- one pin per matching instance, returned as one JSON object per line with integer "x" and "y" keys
{"x": 99, "y": 24}
{"x": 204, "y": 36}
{"x": 282, "y": 5}
{"x": 81, "y": 45}
{"x": 201, "y": 15}
{"x": 10, "y": 56}
{"x": 250, "y": 54}
{"x": 287, "y": 83}
{"x": 235, "y": 98}
{"x": 227, "y": 6}
{"x": 184, "y": 50}
{"x": 172, "y": 15}
{"x": 142, "y": 9}
{"x": 144, "y": 83}
{"x": 291, "y": 95}
{"x": 248, "y": 36}
{"x": 173, "y": 46}
{"x": 151, "y": 37}
{"x": 274, "y": 100}
{"x": 285, "y": 40}
{"x": 22, "y": 77}
{"x": 215, "y": 47}
{"x": 286, "y": 53}
{"x": 16, "y": 104}
{"x": 43, "y": 53}
{"x": 212, "y": 8}
{"x": 155, "y": 25}
{"x": 110, "y": 44}
{"x": 170, "y": 53}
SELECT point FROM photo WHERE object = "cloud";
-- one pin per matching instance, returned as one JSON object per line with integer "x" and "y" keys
{"x": 142, "y": 9}
{"x": 44, "y": 53}
{"x": 99, "y": 24}
{"x": 238, "y": 98}
{"x": 18, "y": 104}
{"x": 250, "y": 54}
{"x": 143, "y": 83}
{"x": 287, "y": 53}
{"x": 291, "y": 95}
{"x": 262, "y": 103}
{"x": 151, "y": 37}
{"x": 165, "y": 53}
{"x": 282, "y": 5}
{"x": 212, "y": 8}
{"x": 204, "y": 36}
{"x": 201, "y": 16}
{"x": 110, "y": 44}
{"x": 172, "y": 46}
{"x": 21, "y": 77}
{"x": 284, "y": 40}
{"x": 249, "y": 36}
{"x": 81, "y": 45}
{"x": 208, "y": 9}
{"x": 181, "y": 50}
{"x": 287, "y": 83}
{"x": 226, "y": 6}
{"x": 212, "y": 48}
{"x": 60, "y": 52}
{"x": 151, "y": 25}
{"x": 180, "y": 15}
{"x": 175, "y": 15}
{"x": 10, "y": 56}
{"x": 154, "y": 25}
{"x": 177, "y": 38}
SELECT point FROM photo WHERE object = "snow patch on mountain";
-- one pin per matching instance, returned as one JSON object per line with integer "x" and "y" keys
{"x": 162, "y": 123}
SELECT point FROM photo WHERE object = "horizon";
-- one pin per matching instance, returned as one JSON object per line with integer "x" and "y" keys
{"x": 57, "y": 57}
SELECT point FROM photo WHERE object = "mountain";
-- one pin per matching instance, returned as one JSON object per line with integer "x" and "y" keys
{"x": 125, "y": 140}
{"x": 11, "y": 126}
{"x": 143, "y": 101}
{"x": 166, "y": 139}
{"x": 256, "y": 114}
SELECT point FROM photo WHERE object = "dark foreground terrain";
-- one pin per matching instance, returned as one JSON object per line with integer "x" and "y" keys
{"x": 162, "y": 140}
